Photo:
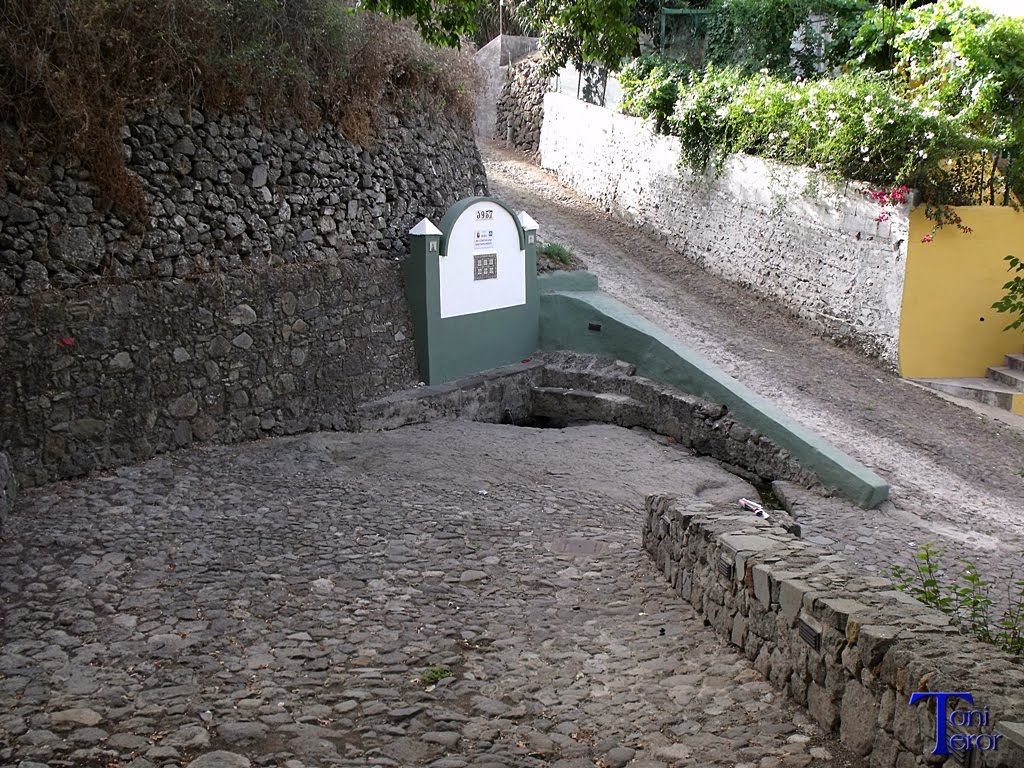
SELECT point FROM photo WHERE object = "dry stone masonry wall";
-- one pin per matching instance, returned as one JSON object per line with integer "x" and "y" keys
{"x": 8, "y": 488}
{"x": 521, "y": 105}
{"x": 864, "y": 647}
{"x": 264, "y": 295}
{"x": 815, "y": 247}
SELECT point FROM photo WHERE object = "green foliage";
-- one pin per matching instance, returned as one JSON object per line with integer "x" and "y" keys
{"x": 72, "y": 70}
{"x": 494, "y": 17}
{"x": 1012, "y": 302}
{"x": 587, "y": 33}
{"x": 558, "y": 252}
{"x": 946, "y": 118}
{"x": 967, "y": 600}
{"x": 754, "y": 35}
{"x": 440, "y": 23}
{"x": 434, "y": 675}
{"x": 852, "y": 126}
{"x": 646, "y": 17}
{"x": 923, "y": 582}
{"x": 956, "y": 58}
{"x": 650, "y": 87}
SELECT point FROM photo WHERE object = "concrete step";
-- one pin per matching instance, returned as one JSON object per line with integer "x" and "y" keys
{"x": 1016, "y": 362}
{"x": 983, "y": 390}
{"x": 1009, "y": 376}
{"x": 581, "y": 405}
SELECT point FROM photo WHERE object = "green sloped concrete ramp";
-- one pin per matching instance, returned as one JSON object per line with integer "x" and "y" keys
{"x": 575, "y": 316}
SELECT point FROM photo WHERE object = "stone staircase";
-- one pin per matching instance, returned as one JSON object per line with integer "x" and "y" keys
{"x": 1003, "y": 388}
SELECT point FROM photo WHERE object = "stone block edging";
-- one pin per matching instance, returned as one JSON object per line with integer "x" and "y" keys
{"x": 776, "y": 597}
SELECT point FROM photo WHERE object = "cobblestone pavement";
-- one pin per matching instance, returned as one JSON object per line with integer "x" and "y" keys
{"x": 300, "y": 602}
{"x": 957, "y": 475}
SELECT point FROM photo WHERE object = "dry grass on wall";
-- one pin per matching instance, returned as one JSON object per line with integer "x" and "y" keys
{"x": 72, "y": 70}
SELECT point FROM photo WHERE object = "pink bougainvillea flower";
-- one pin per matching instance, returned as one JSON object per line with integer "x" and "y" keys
{"x": 927, "y": 238}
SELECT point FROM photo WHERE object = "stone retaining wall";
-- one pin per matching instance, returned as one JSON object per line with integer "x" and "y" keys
{"x": 815, "y": 247}
{"x": 521, "y": 105}
{"x": 264, "y": 295}
{"x": 493, "y": 61}
{"x": 563, "y": 387}
{"x": 584, "y": 388}
{"x": 8, "y": 488}
{"x": 876, "y": 646}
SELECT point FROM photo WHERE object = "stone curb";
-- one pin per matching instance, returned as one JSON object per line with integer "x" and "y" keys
{"x": 845, "y": 645}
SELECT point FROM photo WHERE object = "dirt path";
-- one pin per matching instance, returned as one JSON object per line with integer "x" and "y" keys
{"x": 955, "y": 473}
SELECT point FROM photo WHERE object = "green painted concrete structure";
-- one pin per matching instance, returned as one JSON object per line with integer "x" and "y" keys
{"x": 450, "y": 347}
{"x": 585, "y": 320}
{"x": 565, "y": 311}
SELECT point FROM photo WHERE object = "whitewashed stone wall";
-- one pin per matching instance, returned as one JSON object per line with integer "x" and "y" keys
{"x": 785, "y": 232}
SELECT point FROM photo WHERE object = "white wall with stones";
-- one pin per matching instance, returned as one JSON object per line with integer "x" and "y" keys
{"x": 814, "y": 246}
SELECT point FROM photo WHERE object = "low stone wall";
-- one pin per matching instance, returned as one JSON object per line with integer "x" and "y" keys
{"x": 8, "y": 488}
{"x": 104, "y": 377}
{"x": 263, "y": 296}
{"x": 815, "y": 247}
{"x": 521, "y": 105}
{"x": 562, "y": 388}
{"x": 583, "y": 388}
{"x": 501, "y": 395}
{"x": 847, "y": 646}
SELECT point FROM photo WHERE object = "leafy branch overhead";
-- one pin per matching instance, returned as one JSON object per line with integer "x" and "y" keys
{"x": 440, "y": 23}
{"x": 583, "y": 32}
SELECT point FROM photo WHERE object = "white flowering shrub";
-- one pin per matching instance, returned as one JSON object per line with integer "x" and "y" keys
{"x": 853, "y": 126}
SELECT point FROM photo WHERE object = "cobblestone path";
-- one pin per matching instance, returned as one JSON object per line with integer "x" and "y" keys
{"x": 298, "y": 602}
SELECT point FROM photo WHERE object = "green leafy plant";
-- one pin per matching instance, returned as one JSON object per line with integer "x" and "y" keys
{"x": 957, "y": 58}
{"x": 591, "y": 34}
{"x": 1012, "y": 302}
{"x": 495, "y": 16}
{"x": 650, "y": 88}
{"x": 923, "y": 582}
{"x": 967, "y": 599}
{"x": 438, "y": 23}
{"x": 853, "y": 126}
{"x": 558, "y": 252}
{"x": 758, "y": 34}
{"x": 434, "y": 675}
{"x": 924, "y": 95}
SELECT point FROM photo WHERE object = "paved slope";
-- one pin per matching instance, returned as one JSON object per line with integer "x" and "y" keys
{"x": 278, "y": 603}
{"x": 955, "y": 472}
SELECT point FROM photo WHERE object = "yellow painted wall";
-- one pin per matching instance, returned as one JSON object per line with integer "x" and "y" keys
{"x": 949, "y": 286}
